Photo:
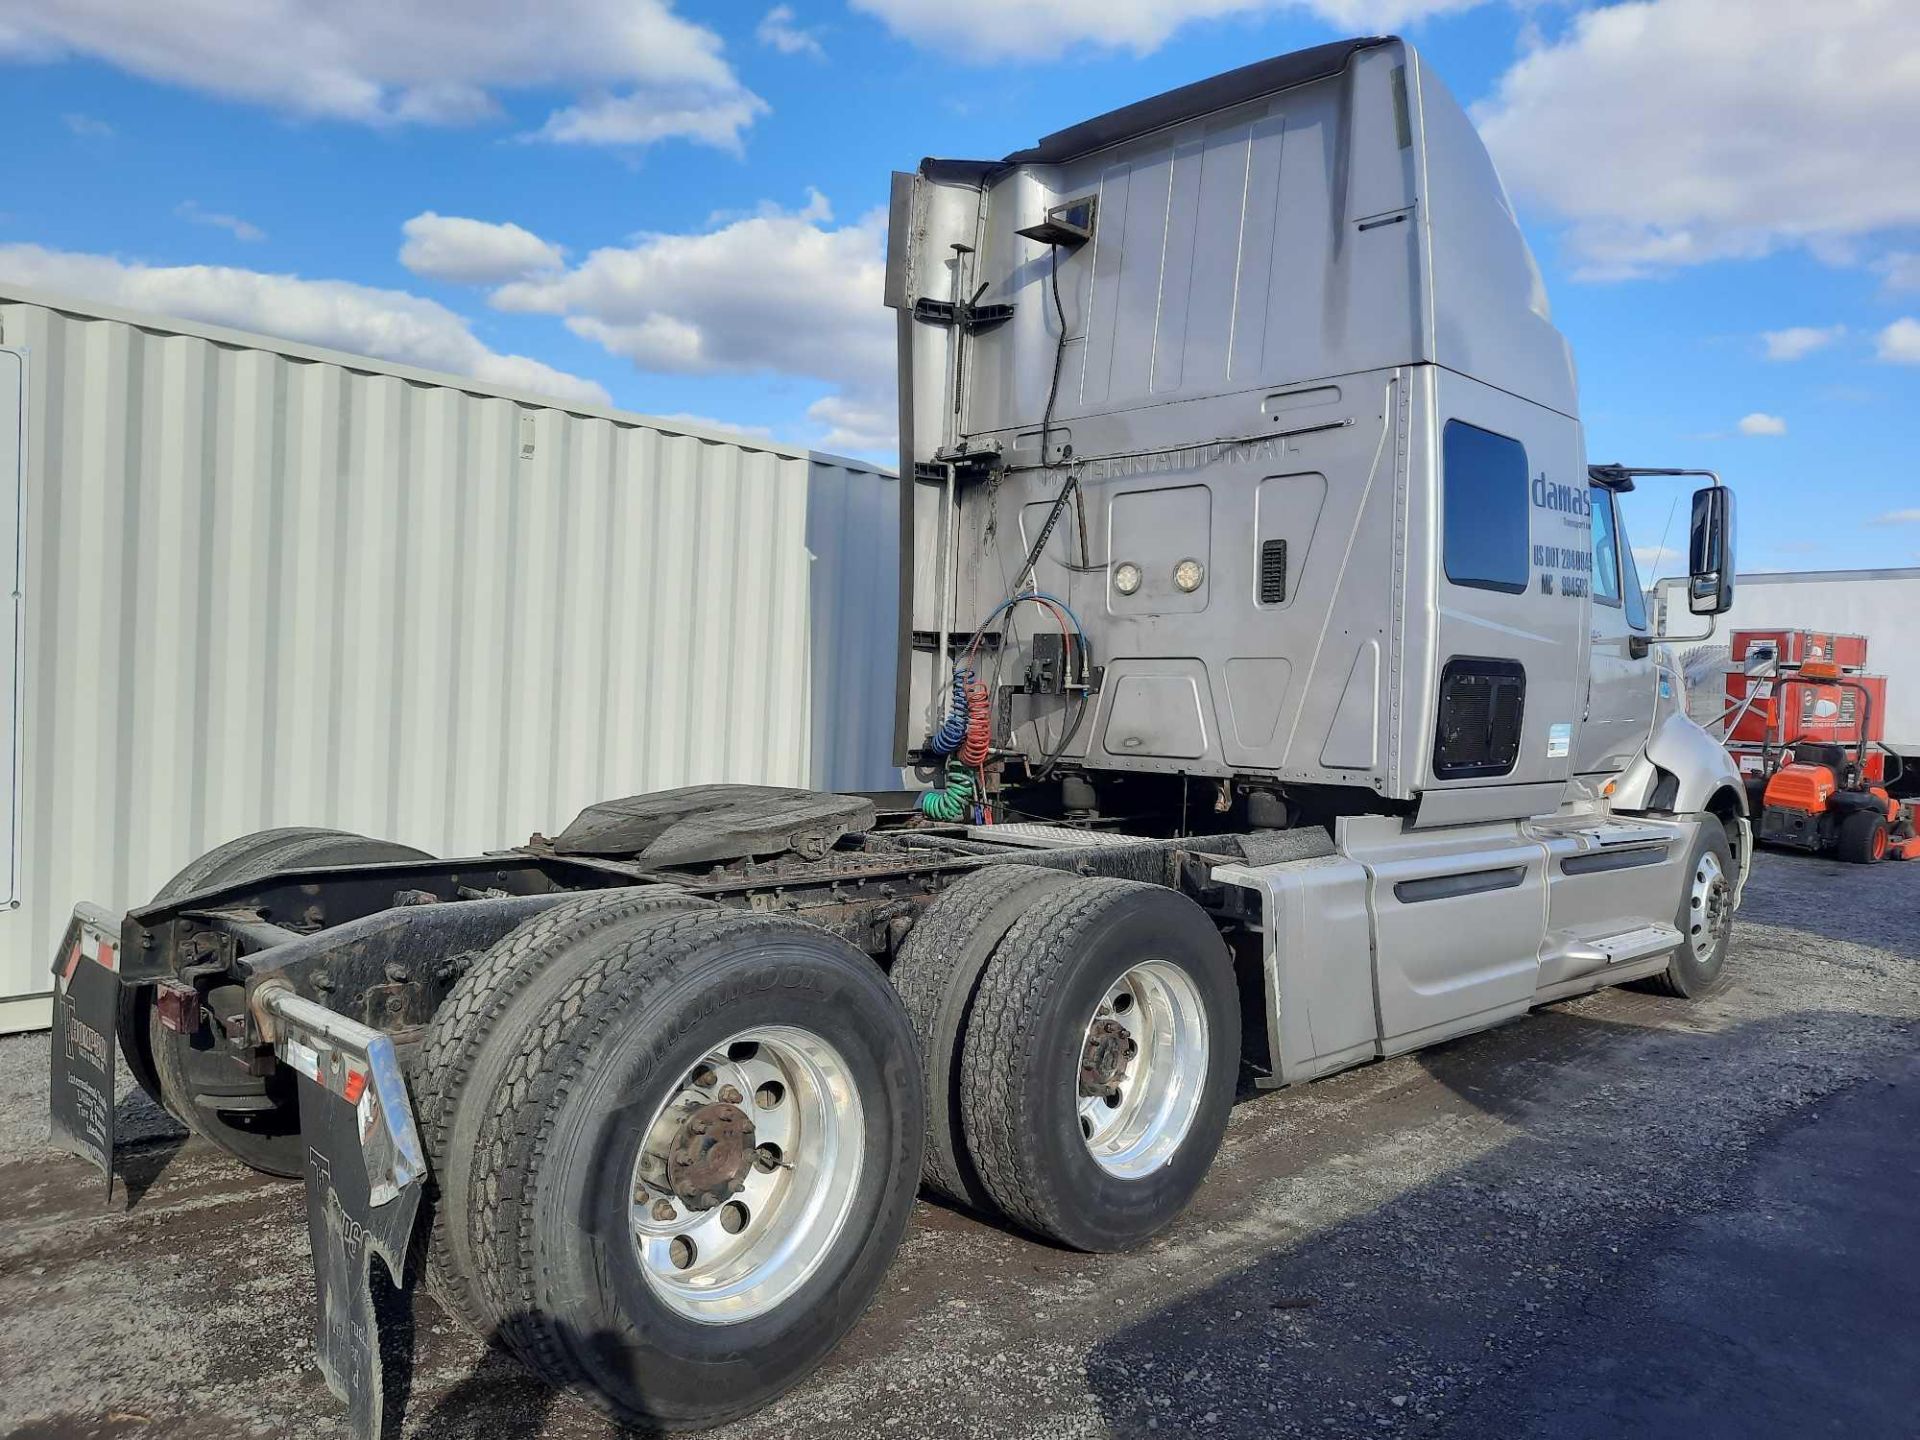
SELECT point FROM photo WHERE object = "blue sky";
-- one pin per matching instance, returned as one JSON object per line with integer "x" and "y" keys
{"x": 1728, "y": 217}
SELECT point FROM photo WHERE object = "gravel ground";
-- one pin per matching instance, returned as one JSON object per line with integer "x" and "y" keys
{"x": 1623, "y": 1215}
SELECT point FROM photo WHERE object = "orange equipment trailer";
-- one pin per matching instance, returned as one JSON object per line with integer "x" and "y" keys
{"x": 1805, "y": 732}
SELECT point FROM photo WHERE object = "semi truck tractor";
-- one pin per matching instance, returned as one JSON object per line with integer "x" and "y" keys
{"x": 1283, "y": 693}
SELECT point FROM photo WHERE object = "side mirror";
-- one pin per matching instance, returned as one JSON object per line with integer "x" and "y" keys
{"x": 1710, "y": 552}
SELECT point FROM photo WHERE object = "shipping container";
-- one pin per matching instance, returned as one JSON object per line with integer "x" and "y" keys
{"x": 257, "y": 583}
{"x": 1879, "y": 605}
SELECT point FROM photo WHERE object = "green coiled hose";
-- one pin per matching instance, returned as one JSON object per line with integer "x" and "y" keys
{"x": 951, "y": 802}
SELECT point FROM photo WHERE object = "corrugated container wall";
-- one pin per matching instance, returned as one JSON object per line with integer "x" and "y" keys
{"x": 265, "y": 585}
{"x": 1879, "y": 604}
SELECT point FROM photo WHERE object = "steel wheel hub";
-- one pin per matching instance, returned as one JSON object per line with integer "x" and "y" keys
{"x": 710, "y": 1155}
{"x": 1143, "y": 1066}
{"x": 1709, "y": 908}
{"x": 1104, "y": 1064}
{"x": 746, "y": 1175}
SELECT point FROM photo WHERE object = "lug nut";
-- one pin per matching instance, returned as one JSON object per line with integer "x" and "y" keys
{"x": 663, "y": 1210}
{"x": 730, "y": 1096}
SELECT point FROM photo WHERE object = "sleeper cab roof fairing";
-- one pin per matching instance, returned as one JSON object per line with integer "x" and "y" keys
{"x": 1203, "y": 97}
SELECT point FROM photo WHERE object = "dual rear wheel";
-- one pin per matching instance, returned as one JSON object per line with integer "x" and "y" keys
{"x": 676, "y": 1146}
{"x": 1081, "y": 1038}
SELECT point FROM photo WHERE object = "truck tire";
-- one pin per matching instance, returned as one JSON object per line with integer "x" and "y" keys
{"x": 254, "y": 1118}
{"x": 1863, "y": 838}
{"x": 1100, "y": 1062}
{"x": 1704, "y": 919}
{"x": 937, "y": 974}
{"x": 519, "y": 974}
{"x": 698, "y": 1053}
{"x": 235, "y": 860}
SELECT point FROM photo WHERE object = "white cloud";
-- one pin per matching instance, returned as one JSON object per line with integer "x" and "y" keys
{"x": 190, "y": 210}
{"x": 707, "y": 422}
{"x": 419, "y": 61}
{"x": 1761, "y": 423}
{"x": 782, "y": 291}
{"x": 1029, "y": 30}
{"x": 1898, "y": 517}
{"x": 781, "y": 29}
{"x": 1799, "y": 341}
{"x": 644, "y": 118}
{"x": 1899, "y": 271}
{"x": 851, "y": 425}
{"x": 87, "y": 127}
{"x": 385, "y": 324}
{"x": 1900, "y": 341}
{"x": 1666, "y": 135}
{"x": 1651, "y": 558}
{"x": 474, "y": 252}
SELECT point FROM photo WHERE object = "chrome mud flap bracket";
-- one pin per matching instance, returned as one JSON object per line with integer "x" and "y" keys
{"x": 86, "y": 1002}
{"x": 365, "y": 1166}
{"x": 1744, "y": 827}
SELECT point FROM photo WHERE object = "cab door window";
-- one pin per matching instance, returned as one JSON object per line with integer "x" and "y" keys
{"x": 1486, "y": 509}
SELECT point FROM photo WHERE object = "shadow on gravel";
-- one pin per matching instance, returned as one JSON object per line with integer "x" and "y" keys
{"x": 149, "y": 1138}
{"x": 497, "y": 1398}
{"x": 141, "y": 1164}
{"x": 1710, "y": 1236}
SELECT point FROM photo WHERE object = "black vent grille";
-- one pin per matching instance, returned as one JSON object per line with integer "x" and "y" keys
{"x": 1482, "y": 705}
{"x": 1273, "y": 573}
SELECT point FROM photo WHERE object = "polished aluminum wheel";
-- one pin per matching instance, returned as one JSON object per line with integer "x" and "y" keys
{"x": 746, "y": 1175}
{"x": 1143, "y": 1067}
{"x": 1709, "y": 908}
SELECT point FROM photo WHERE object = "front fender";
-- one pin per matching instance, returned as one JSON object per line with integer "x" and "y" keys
{"x": 1700, "y": 765}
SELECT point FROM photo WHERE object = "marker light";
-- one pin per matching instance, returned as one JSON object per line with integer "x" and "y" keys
{"x": 1188, "y": 574}
{"x": 1126, "y": 577}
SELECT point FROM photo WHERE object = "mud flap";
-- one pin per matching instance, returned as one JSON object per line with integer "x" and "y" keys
{"x": 86, "y": 1000}
{"x": 364, "y": 1165}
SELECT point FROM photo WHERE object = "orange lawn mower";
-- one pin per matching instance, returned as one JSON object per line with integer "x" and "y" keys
{"x": 1830, "y": 796}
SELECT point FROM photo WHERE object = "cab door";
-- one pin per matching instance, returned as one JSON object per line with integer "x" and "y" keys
{"x": 1621, "y": 674}
{"x": 1510, "y": 592}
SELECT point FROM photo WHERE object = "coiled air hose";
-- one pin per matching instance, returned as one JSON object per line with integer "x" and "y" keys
{"x": 952, "y": 733}
{"x": 954, "y": 800}
{"x": 965, "y": 735}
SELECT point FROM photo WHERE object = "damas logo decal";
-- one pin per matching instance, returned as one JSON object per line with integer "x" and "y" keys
{"x": 1567, "y": 499}
{"x": 1564, "y": 569}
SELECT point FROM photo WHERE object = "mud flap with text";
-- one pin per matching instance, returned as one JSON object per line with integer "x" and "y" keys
{"x": 363, "y": 1194}
{"x": 86, "y": 1002}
